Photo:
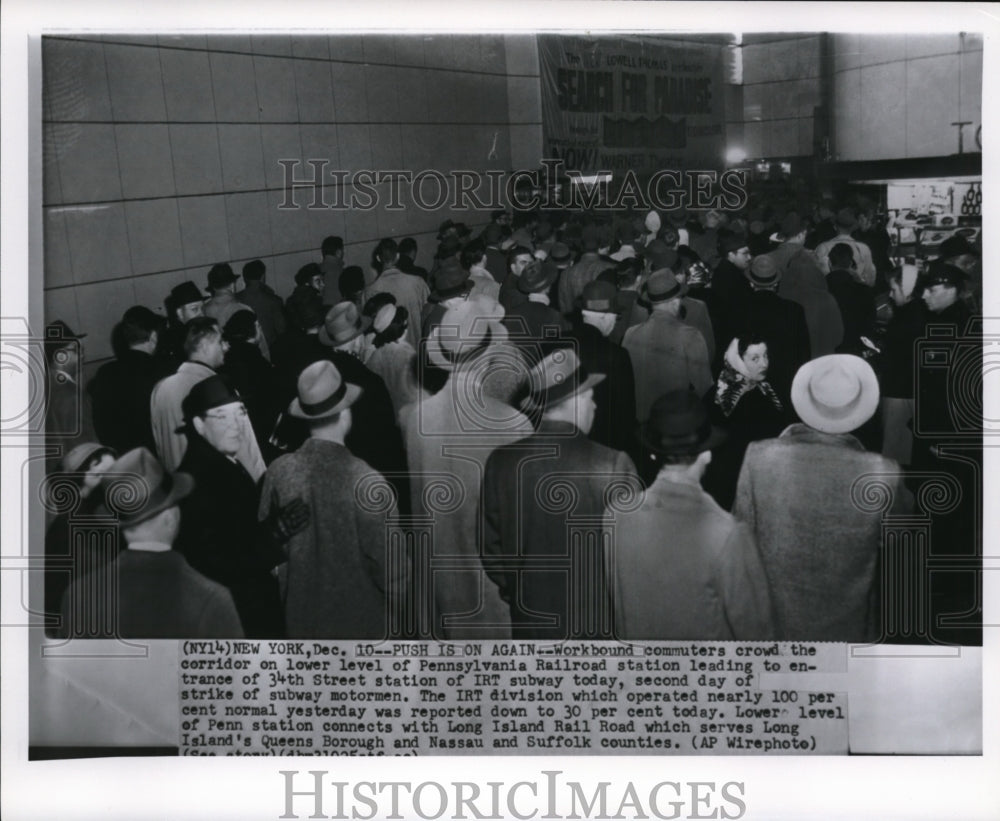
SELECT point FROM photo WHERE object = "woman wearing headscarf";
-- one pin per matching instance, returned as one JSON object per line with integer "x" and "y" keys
{"x": 747, "y": 407}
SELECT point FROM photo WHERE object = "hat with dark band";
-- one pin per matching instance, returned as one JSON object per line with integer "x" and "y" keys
{"x": 836, "y": 393}
{"x": 80, "y": 456}
{"x": 661, "y": 286}
{"x": 322, "y": 392}
{"x": 450, "y": 280}
{"x": 599, "y": 296}
{"x": 139, "y": 480}
{"x": 556, "y": 378}
{"x": 466, "y": 331}
{"x": 763, "y": 270}
{"x": 213, "y": 392}
{"x": 342, "y": 324}
{"x": 537, "y": 277}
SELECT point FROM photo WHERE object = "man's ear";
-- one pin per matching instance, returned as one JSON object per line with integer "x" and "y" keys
{"x": 154, "y": 337}
{"x": 199, "y": 425}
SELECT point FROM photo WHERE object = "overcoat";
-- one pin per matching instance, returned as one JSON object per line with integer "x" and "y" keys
{"x": 819, "y": 532}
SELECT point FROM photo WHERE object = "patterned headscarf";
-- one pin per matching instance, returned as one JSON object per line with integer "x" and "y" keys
{"x": 735, "y": 382}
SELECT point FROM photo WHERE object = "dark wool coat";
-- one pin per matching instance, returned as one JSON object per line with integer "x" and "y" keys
{"x": 614, "y": 419}
{"x": 819, "y": 545}
{"x": 857, "y": 308}
{"x": 533, "y": 490}
{"x": 159, "y": 597}
{"x": 221, "y": 538}
{"x": 782, "y": 324}
{"x": 120, "y": 392}
{"x": 340, "y": 581}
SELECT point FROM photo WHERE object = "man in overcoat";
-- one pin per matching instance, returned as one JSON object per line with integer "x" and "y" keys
{"x": 341, "y": 583}
{"x": 541, "y": 496}
{"x": 680, "y": 565}
{"x": 803, "y": 495}
{"x": 448, "y": 438}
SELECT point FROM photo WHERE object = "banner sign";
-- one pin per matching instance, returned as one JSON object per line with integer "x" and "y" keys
{"x": 618, "y": 103}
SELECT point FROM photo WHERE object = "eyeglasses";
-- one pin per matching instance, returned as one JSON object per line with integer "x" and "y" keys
{"x": 233, "y": 416}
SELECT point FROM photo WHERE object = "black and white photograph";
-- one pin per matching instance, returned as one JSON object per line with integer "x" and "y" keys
{"x": 586, "y": 381}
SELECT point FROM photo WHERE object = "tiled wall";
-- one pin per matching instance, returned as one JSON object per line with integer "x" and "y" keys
{"x": 781, "y": 87}
{"x": 161, "y": 153}
{"x": 896, "y": 96}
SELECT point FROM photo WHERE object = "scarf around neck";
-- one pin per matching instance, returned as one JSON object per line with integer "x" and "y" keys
{"x": 735, "y": 383}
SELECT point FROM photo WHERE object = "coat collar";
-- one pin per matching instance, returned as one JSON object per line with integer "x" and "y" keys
{"x": 803, "y": 433}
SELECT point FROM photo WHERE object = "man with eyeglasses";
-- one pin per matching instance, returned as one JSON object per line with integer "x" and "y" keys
{"x": 220, "y": 536}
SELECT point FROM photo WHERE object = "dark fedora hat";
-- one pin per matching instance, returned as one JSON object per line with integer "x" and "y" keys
{"x": 537, "y": 277}
{"x": 560, "y": 254}
{"x": 322, "y": 392}
{"x": 556, "y": 378}
{"x": 600, "y": 296}
{"x": 213, "y": 392}
{"x": 185, "y": 294}
{"x": 661, "y": 286}
{"x": 220, "y": 275}
{"x": 450, "y": 280}
{"x": 342, "y": 324}
{"x": 678, "y": 425}
{"x": 138, "y": 478}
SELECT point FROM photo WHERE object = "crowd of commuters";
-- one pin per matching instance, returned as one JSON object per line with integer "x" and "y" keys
{"x": 642, "y": 426}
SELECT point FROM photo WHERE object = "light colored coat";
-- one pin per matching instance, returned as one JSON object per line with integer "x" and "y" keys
{"x": 683, "y": 568}
{"x": 166, "y": 416}
{"x": 340, "y": 582}
{"x": 667, "y": 355}
{"x": 819, "y": 535}
{"x": 449, "y": 437}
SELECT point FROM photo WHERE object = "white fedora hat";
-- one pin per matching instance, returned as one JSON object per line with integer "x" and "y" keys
{"x": 836, "y": 393}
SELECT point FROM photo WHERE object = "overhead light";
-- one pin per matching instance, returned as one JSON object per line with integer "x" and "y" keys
{"x": 735, "y": 155}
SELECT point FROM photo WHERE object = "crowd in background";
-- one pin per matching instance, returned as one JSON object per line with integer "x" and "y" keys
{"x": 646, "y": 425}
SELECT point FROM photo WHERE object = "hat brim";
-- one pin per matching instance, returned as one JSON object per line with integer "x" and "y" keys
{"x": 351, "y": 394}
{"x": 81, "y": 455}
{"x": 435, "y": 353}
{"x": 716, "y": 436}
{"x": 330, "y": 342}
{"x": 183, "y": 484}
{"x": 530, "y": 404}
{"x": 448, "y": 293}
{"x": 814, "y": 417}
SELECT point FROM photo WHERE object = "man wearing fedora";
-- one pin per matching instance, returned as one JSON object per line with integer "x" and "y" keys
{"x": 448, "y": 438}
{"x": 553, "y": 590}
{"x": 374, "y": 435}
{"x": 220, "y": 536}
{"x": 583, "y": 271}
{"x": 184, "y": 302}
{"x": 845, "y": 223}
{"x": 205, "y": 352}
{"x": 614, "y": 419}
{"x": 682, "y": 567}
{"x": 222, "y": 303}
{"x": 159, "y": 595}
{"x": 533, "y": 322}
{"x": 667, "y": 354}
{"x": 780, "y": 322}
{"x": 339, "y": 580}
{"x": 799, "y": 495}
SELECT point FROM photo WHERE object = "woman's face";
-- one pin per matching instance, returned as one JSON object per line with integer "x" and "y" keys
{"x": 756, "y": 361}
